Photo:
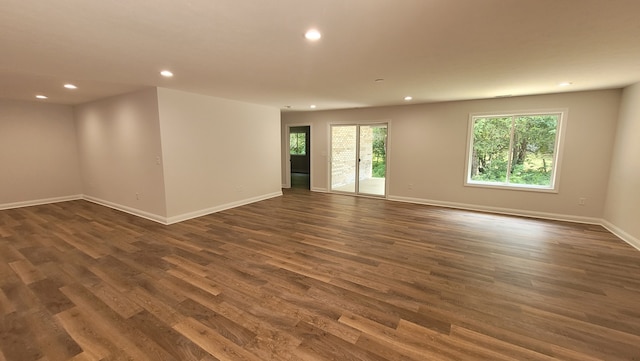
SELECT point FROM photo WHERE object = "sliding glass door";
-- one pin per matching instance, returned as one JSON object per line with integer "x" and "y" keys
{"x": 359, "y": 159}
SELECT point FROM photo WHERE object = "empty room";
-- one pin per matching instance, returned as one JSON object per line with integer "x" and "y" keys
{"x": 320, "y": 180}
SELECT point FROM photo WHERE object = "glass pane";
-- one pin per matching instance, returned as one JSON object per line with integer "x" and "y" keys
{"x": 297, "y": 143}
{"x": 343, "y": 158}
{"x": 373, "y": 159}
{"x": 534, "y": 142}
{"x": 490, "y": 157}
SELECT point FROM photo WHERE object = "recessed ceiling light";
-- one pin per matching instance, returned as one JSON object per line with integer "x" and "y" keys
{"x": 312, "y": 106}
{"x": 313, "y": 35}
{"x": 70, "y": 86}
{"x": 565, "y": 83}
{"x": 41, "y": 96}
{"x": 166, "y": 73}
{"x": 407, "y": 98}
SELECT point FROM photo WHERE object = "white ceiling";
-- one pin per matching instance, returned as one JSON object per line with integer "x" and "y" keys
{"x": 255, "y": 50}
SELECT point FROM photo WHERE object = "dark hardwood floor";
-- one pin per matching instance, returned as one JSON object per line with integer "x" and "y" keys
{"x": 311, "y": 276}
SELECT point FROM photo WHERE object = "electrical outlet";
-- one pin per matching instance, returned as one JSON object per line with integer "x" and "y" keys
{"x": 410, "y": 186}
{"x": 138, "y": 196}
{"x": 582, "y": 201}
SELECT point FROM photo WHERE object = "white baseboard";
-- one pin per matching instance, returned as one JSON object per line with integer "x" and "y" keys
{"x": 507, "y": 211}
{"x": 631, "y": 240}
{"x": 126, "y": 209}
{"x": 204, "y": 212}
{"x": 626, "y": 237}
{"x": 36, "y": 202}
{"x": 141, "y": 213}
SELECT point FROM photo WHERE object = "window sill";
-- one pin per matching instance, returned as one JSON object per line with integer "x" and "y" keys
{"x": 512, "y": 187}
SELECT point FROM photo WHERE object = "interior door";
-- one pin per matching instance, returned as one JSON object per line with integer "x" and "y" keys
{"x": 300, "y": 156}
{"x": 358, "y": 159}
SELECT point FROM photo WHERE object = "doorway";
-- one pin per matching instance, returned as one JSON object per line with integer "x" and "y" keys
{"x": 300, "y": 156}
{"x": 359, "y": 159}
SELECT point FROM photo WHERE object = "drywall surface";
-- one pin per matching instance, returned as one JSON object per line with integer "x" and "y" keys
{"x": 120, "y": 152}
{"x": 217, "y": 153}
{"x": 623, "y": 197}
{"x": 38, "y": 153}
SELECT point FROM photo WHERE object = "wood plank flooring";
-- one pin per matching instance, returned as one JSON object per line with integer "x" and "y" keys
{"x": 312, "y": 276}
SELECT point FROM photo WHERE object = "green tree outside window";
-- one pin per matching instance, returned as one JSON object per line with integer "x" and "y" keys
{"x": 514, "y": 150}
{"x": 297, "y": 144}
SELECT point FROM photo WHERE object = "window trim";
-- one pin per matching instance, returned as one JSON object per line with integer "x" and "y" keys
{"x": 558, "y": 150}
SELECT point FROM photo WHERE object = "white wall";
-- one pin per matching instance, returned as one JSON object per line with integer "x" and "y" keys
{"x": 427, "y": 148}
{"x": 217, "y": 153}
{"x": 38, "y": 153}
{"x": 623, "y": 198}
{"x": 120, "y": 153}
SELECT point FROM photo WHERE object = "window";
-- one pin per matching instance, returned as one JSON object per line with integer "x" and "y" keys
{"x": 298, "y": 143}
{"x": 514, "y": 150}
